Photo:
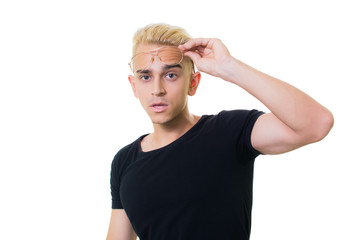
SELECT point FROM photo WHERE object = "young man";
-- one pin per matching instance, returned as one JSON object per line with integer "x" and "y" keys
{"x": 192, "y": 177}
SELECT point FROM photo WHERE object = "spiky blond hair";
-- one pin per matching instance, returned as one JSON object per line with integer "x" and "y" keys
{"x": 161, "y": 33}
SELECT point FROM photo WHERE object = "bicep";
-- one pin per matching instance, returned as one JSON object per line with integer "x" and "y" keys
{"x": 120, "y": 227}
{"x": 272, "y": 136}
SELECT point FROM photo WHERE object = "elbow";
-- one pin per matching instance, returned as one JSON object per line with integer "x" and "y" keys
{"x": 323, "y": 126}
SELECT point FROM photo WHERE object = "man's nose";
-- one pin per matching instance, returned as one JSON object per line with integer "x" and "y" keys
{"x": 158, "y": 87}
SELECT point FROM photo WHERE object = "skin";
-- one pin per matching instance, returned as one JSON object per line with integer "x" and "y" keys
{"x": 172, "y": 86}
{"x": 295, "y": 119}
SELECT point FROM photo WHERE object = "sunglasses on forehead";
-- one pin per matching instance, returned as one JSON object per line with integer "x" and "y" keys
{"x": 169, "y": 55}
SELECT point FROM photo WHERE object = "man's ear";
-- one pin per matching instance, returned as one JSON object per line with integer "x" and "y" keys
{"x": 131, "y": 79}
{"x": 194, "y": 83}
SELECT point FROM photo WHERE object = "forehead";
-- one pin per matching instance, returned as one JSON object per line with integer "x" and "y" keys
{"x": 146, "y": 47}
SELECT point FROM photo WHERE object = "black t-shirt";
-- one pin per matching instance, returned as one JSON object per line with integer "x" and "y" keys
{"x": 197, "y": 187}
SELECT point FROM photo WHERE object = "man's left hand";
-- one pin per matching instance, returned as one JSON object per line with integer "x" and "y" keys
{"x": 210, "y": 55}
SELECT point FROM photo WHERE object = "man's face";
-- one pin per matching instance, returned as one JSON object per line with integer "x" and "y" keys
{"x": 161, "y": 88}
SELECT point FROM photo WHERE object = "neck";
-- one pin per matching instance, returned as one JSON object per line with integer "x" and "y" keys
{"x": 170, "y": 131}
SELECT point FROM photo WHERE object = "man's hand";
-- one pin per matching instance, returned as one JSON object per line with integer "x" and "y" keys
{"x": 210, "y": 55}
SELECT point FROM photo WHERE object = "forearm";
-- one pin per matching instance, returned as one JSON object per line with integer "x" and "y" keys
{"x": 293, "y": 107}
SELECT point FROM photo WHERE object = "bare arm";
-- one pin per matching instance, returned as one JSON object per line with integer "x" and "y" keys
{"x": 295, "y": 119}
{"x": 120, "y": 227}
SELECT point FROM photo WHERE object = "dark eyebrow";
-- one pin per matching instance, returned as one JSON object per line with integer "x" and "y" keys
{"x": 143, "y": 71}
{"x": 166, "y": 67}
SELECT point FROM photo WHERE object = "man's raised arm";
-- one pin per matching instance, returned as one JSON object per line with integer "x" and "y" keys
{"x": 295, "y": 119}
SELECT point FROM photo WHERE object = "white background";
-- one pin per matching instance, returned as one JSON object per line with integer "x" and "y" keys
{"x": 66, "y": 108}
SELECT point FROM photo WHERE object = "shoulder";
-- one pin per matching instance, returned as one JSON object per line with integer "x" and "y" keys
{"x": 238, "y": 117}
{"x": 126, "y": 154}
{"x": 231, "y": 122}
{"x": 238, "y": 113}
{"x": 228, "y": 118}
{"x": 233, "y": 128}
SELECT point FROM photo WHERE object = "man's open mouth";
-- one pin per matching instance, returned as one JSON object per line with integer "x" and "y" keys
{"x": 158, "y": 107}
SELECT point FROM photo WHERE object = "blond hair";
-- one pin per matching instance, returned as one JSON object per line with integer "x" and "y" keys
{"x": 161, "y": 33}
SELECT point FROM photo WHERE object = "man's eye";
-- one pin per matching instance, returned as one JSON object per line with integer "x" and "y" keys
{"x": 171, "y": 75}
{"x": 145, "y": 77}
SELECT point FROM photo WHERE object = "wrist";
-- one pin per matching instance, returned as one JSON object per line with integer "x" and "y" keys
{"x": 229, "y": 66}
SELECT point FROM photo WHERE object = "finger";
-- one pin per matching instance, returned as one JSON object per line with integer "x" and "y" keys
{"x": 200, "y": 50}
{"x": 194, "y": 43}
{"x": 193, "y": 56}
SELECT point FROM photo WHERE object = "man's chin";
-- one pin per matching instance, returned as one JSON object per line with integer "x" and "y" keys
{"x": 161, "y": 120}
{"x": 165, "y": 118}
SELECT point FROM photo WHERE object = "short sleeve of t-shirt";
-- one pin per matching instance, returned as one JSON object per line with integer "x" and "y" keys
{"x": 115, "y": 188}
{"x": 238, "y": 126}
{"x": 120, "y": 162}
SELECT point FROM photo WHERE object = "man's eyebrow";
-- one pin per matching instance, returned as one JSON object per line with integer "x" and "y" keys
{"x": 166, "y": 67}
{"x": 143, "y": 71}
